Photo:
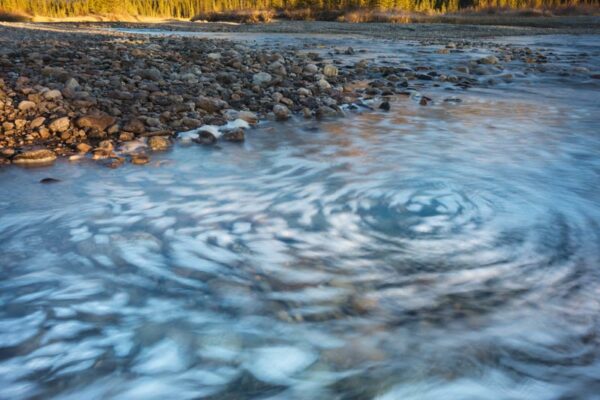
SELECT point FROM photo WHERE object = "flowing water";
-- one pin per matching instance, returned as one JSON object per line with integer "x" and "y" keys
{"x": 443, "y": 252}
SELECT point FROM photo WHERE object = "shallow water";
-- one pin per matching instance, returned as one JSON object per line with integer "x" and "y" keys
{"x": 448, "y": 251}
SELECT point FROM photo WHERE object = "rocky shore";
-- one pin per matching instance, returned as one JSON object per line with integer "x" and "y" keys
{"x": 117, "y": 97}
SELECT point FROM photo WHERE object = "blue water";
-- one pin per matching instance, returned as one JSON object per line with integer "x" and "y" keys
{"x": 441, "y": 252}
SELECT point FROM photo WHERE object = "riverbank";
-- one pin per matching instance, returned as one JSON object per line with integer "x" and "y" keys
{"x": 101, "y": 91}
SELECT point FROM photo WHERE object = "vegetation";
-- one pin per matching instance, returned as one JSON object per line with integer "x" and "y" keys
{"x": 263, "y": 10}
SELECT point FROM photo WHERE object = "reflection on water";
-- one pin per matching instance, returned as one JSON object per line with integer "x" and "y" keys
{"x": 448, "y": 251}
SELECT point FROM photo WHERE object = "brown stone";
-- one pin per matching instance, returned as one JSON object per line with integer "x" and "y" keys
{"x": 98, "y": 122}
{"x": 60, "y": 124}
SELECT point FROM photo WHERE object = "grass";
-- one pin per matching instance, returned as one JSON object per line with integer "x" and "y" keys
{"x": 483, "y": 15}
{"x": 239, "y": 16}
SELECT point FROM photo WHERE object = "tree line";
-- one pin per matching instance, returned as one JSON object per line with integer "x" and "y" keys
{"x": 190, "y": 8}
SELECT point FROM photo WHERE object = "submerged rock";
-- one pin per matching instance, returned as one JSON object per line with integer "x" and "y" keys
{"x": 35, "y": 157}
{"x": 159, "y": 143}
{"x": 281, "y": 112}
{"x": 49, "y": 180}
{"x": 235, "y": 135}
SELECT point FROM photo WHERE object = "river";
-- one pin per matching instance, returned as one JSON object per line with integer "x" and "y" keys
{"x": 443, "y": 251}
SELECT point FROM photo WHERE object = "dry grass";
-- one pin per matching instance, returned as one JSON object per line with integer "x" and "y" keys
{"x": 239, "y": 16}
{"x": 561, "y": 10}
{"x": 6, "y": 16}
{"x": 393, "y": 17}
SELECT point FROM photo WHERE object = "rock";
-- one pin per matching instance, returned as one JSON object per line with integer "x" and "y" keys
{"x": 126, "y": 136}
{"x": 60, "y": 124}
{"x": 311, "y": 69}
{"x": 52, "y": 95}
{"x": 325, "y": 112}
{"x": 140, "y": 159}
{"x": 49, "y": 180}
{"x": 159, "y": 143}
{"x": 37, "y": 122}
{"x": 210, "y": 104}
{"x": 304, "y": 92}
{"x": 26, "y": 105}
{"x": 20, "y": 123}
{"x": 277, "y": 68}
{"x": 153, "y": 122}
{"x": 248, "y": 116}
{"x": 330, "y": 70}
{"x": 135, "y": 126}
{"x": 489, "y": 60}
{"x": 235, "y": 135}
{"x": 102, "y": 154}
{"x": 324, "y": 85}
{"x": 207, "y": 137}
{"x": 385, "y": 106}
{"x": 281, "y": 112}
{"x": 152, "y": 74}
{"x": 72, "y": 84}
{"x": 35, "y": 158}
{"x": 261, "y": 78}
{"x": 362, "y": 64}
{"x": 106, "y": 145}
{"x": 214, "y": 56}
{"x": 97, "y": 122}
{"x": 462, "y": 69}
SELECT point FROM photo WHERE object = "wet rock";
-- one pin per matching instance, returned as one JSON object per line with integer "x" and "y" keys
{"x": 489, "y": 60}
{"x": 235, "y": 135}
{"x": 60, "y": 124}
{"x": 84, "y": 148}
{"x": 248, "y": 116}
{"x": 385, "y": 106}
{"x": 207, "y": 135}
{"x": 159, "y": 143}
{"x": 326, "y": 112}
{"x": 462, "y": 69}
{"x": 281, "y": 112}
{"x": 97, "y": 122}
{"x": 140, "y": 159}
{"x": 49, "y": 180}
{"x": 35, "y": 158}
